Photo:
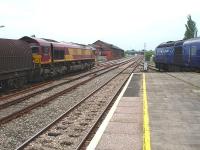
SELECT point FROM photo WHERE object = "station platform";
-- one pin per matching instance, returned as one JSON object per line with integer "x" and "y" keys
{"x": 158, "y": 111}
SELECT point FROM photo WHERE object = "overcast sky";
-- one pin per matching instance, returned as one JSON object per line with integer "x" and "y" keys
{"x": 125, "y": 23}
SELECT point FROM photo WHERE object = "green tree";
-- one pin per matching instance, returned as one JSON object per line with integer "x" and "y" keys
{"x": 191, "y": 29}
{"x": 148, "y": 55}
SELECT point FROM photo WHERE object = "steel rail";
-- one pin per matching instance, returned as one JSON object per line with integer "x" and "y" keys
{"x": 94, "y": 126}
{"x": 6, "y": 97}
{"x": 42, "y": 102}
{"x": 153, "y": 68}
{"x": 68, "y": 111}
{"x": 21, "y": 99}
{"x": 27, "y": 109}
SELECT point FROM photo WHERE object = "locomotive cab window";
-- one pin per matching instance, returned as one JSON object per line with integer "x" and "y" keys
{"x": 35, "y": 50}
{"x": 45, "y": 50}
{"x": 193, "y": 50}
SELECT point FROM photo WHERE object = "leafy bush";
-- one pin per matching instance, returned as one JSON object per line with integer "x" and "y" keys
{"x": 148, "y": 55}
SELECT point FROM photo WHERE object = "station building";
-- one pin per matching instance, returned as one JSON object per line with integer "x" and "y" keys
{"x": 108, "y": 51}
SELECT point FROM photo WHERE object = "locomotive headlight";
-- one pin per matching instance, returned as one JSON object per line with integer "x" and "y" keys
{"x": 37, "y": 60}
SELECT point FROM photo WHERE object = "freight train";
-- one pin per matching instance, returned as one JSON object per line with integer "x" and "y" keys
{"x": 183, "y": 55}
{"x": 31, "y": 59}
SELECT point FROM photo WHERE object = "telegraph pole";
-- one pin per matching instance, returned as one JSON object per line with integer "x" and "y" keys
{"x": 145, "y": 63}
{"x": 144, "y": 49}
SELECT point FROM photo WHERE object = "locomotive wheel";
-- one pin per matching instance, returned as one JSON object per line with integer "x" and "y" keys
{"x": 3, "y": 85}
{"x": 15, "y": 83}
{"x": 19, "y": 82}
{"x": 10, "y": 83}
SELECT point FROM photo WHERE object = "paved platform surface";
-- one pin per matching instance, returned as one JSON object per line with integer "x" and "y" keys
{"x": 124, "y": 130}
{"x": 174, "y": 111}
{"x": 174, "y": 114}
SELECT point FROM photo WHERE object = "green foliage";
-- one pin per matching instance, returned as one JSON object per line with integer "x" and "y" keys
{"x": 148, "y": 55}
{"x": 130, "y": 52}
{"x": 191, "y": 29}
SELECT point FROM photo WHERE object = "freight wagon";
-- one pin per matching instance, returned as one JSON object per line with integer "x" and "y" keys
{"x": 15, "y": 62}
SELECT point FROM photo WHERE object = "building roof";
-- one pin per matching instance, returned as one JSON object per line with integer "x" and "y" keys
{"x": 107, "y": 44}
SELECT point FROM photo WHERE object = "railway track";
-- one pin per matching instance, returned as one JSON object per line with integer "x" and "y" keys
{"x": 81, "y": 119}
{"x": 26, "y": 89}
{"x": 40, "y": 85}
{"x": 88, "y": 137}
{"x": 15, "y": 92}
{"x": 151, "y": 67}
{"x": 108, "y": 63}
{"x": 16, "y": 108}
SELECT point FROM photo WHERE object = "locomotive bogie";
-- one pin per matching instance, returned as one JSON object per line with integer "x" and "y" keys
{"x": 14, "y": 80}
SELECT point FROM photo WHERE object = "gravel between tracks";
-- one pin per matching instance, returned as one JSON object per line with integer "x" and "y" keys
{"x": 37, "y": 98}
{"x": 69, "y": 132}
{"x": 19, "y": 130}
{"x": 64, "y": 79}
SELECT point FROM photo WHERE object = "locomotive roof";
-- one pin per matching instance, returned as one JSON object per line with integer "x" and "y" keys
{"x": 171, "y": 43}
{"x": 166, "y": 44}
{"x": 36, "y": 40}
{"x": 81, "y": 46}
{"x": 73, "y": 45}
{"x": 178, "y": 43}
{"x": 48, "y": 42}
{"x": 193, "y": 40}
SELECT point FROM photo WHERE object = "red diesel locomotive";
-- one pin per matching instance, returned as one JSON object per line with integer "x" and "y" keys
{"x": 30, "y": 58}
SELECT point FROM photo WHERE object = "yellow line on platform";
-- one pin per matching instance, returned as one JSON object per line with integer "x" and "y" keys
{"x": 146, "y": 129}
